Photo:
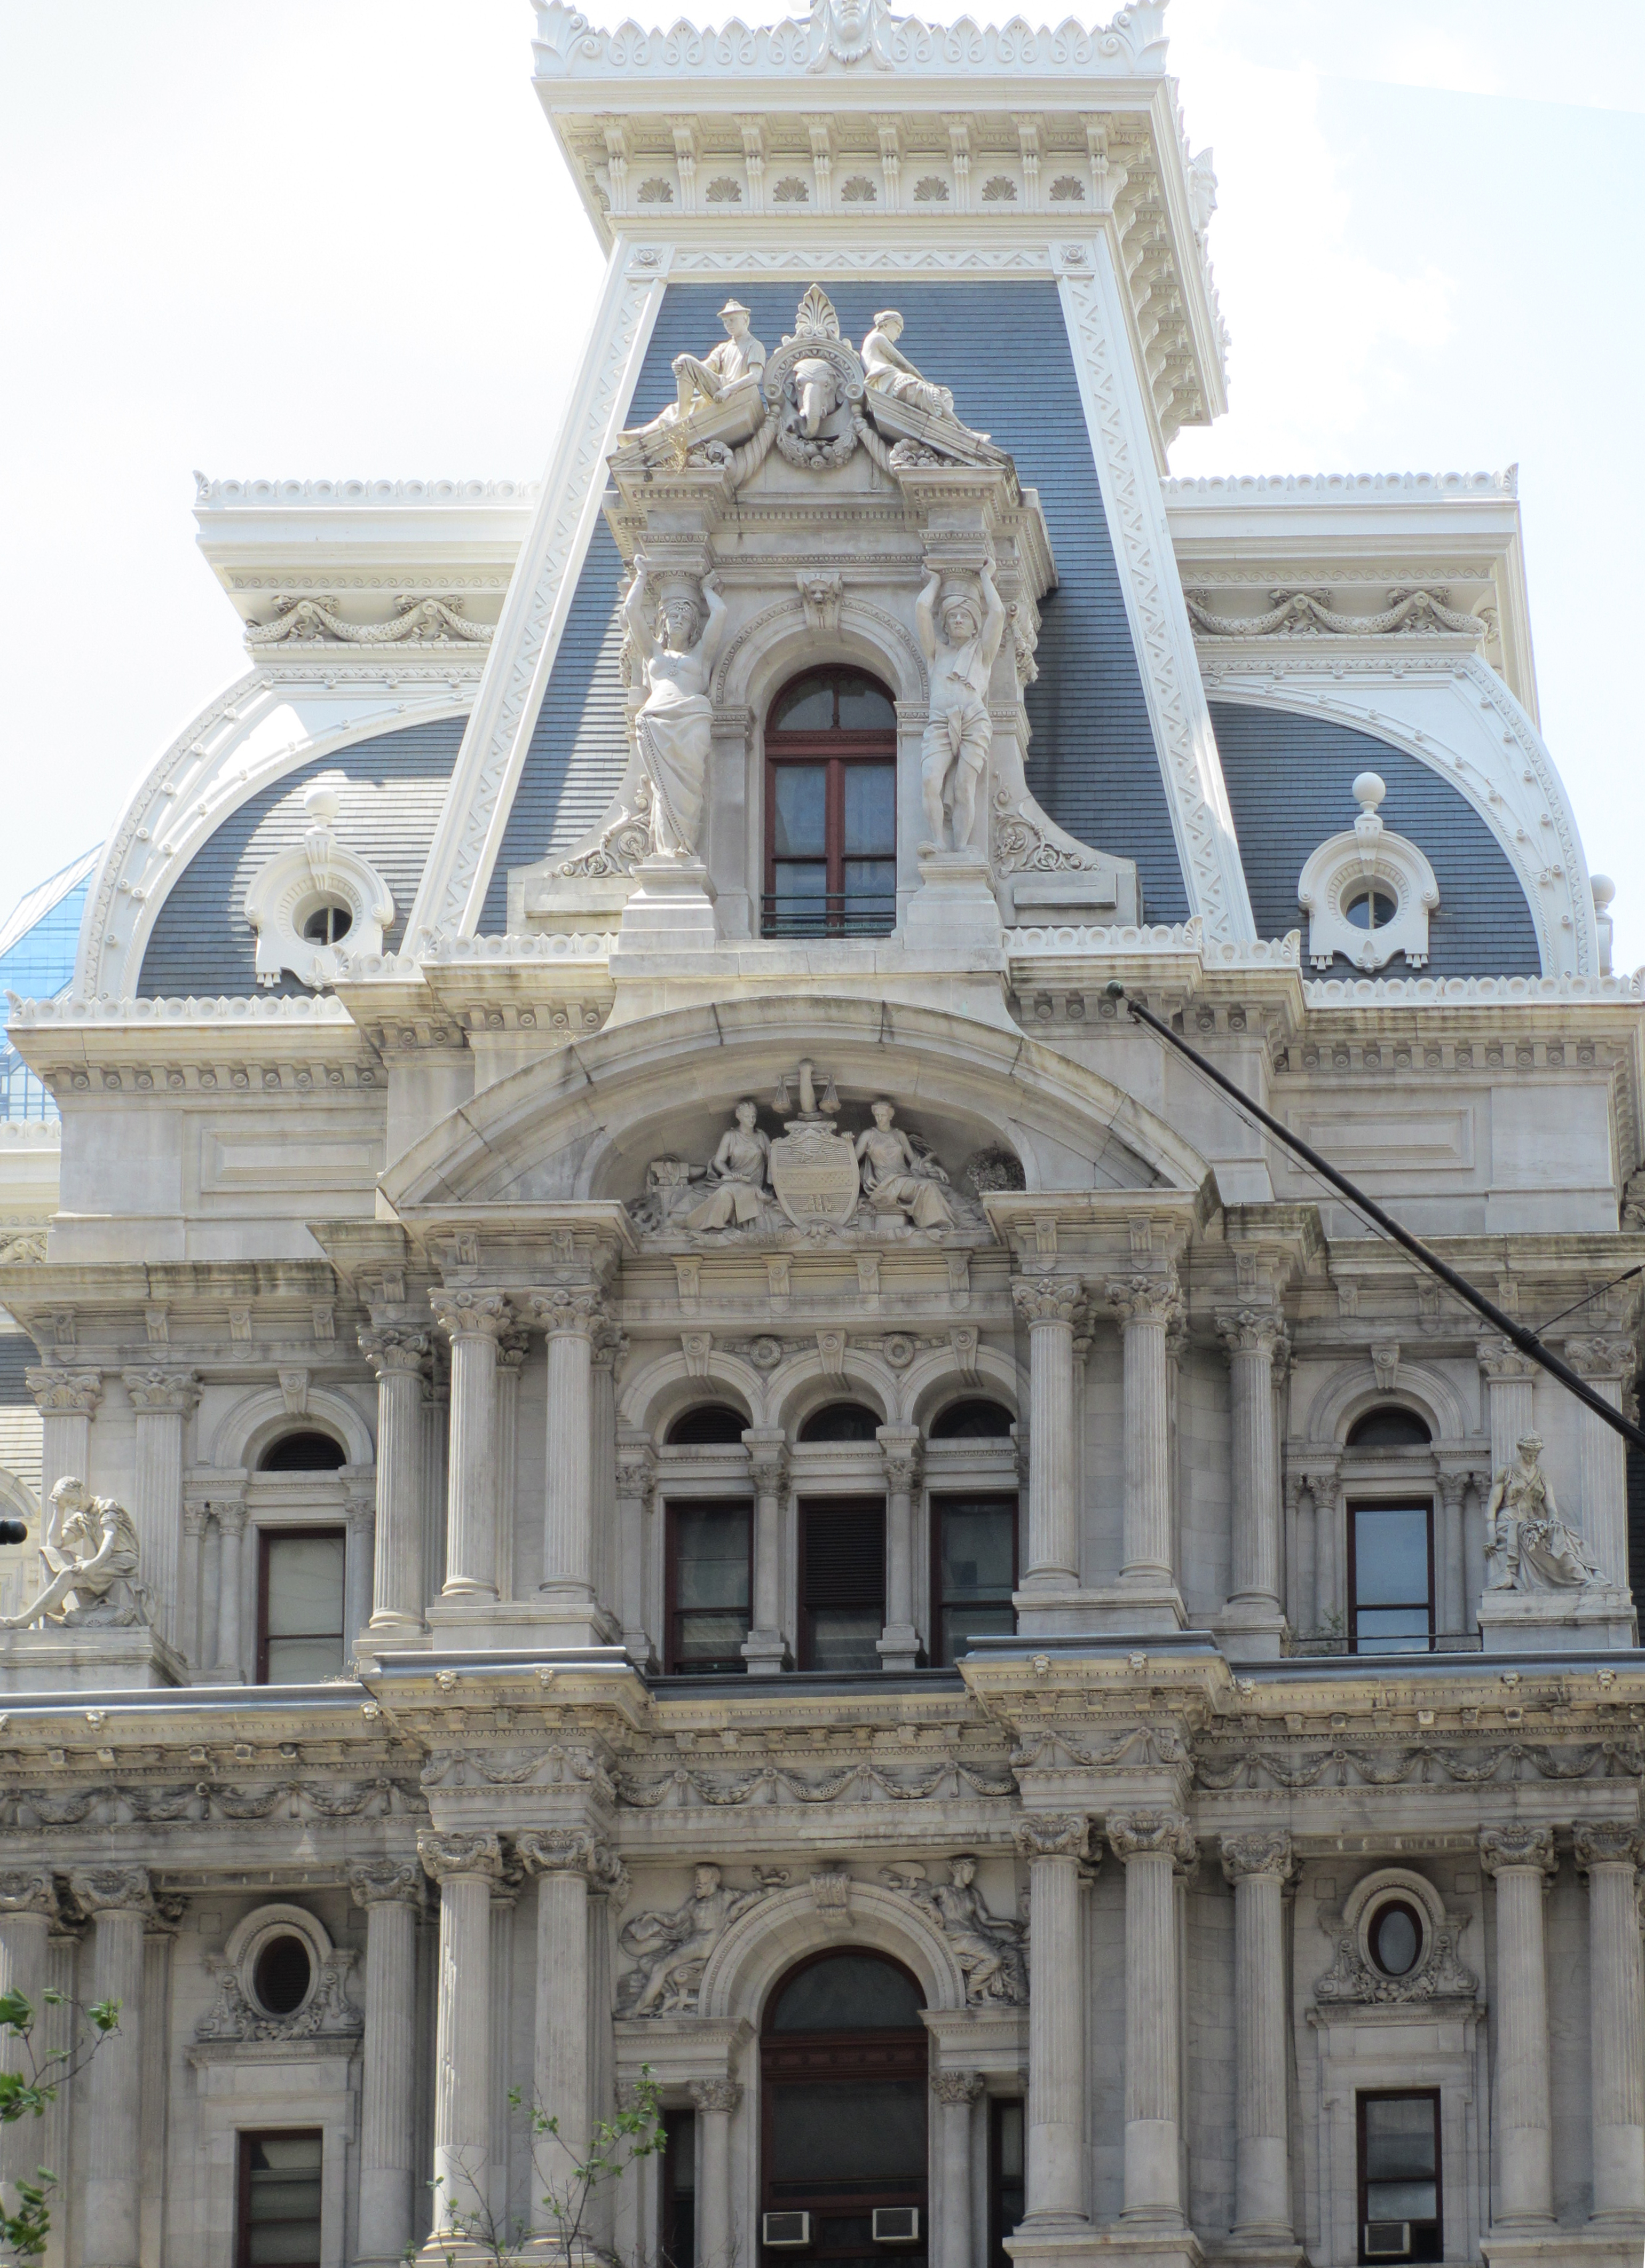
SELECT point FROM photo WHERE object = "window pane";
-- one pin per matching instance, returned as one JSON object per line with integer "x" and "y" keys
{"x": 283, "y": 2199}
{"x": 979, "y": 1549}
{"x": 303, "y": 1661}
{"x": 1400, "y": 2200}
{"x": 710, "y": 1556}
{"x": 305, "y": 1585}
{"x": 712, "y": 1639}
{"x": 864, "y": 707}
{"x": 809, "y": 708}
{"x": 1390, "y": 1556}
{"x": 1011, "y": 2141}
{"x": 799, "y": 794}
{"x": 845, "y": 1638}
{"x": 870, "y": 810}
{"x": 961, "y": 1624}
{"x": 872, "y": 2131}
{"x": 847, "y": 1992}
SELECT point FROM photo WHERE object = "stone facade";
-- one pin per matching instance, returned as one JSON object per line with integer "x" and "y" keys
{"x": 838, "y": 1210}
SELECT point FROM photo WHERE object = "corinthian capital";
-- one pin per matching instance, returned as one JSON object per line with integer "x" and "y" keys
{"x": 1048, "y": 1299}
{"x": 715, "y": 2094}
{"x": 162, "y": 1393}
{"x": 1613, "y": 1358}
{"x": 445, "y": 1855}
{"x": 66, "y": 1393}
{"x": 28, "y": 1890}
{"x": 1517, "y": 1846}
{"x": 386, "y": 1881}
{"x": 573, "y": 1851}
{"x": 1264, "y": 1852}
{"x": 561, "y": 1309}
{"x": 1502, "y": 1362}
{"x": 1252, "y": 1330}
{"x": 1145, "y": 1299}
{"x": 471, "y": 1314}
{"x": 956, "y": 2086}
{"x": 900, "y": 1453}
{"x": 1608, "y": 1843}
{"x": 390, "y": 1347}
{"x": 111, "y": 1890}
{"x": 1153, "y": 1834}
{"x": 768, "y": 1459}
{"x": 1052, "y": 1835}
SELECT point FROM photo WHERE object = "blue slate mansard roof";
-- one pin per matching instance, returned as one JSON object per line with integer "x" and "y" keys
{"x": 37, "y": 949}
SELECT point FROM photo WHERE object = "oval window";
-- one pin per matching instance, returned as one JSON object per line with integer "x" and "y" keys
{"x": 1371, "y": 909}
{"x": 1396, "y": 1938}
{"x": 328, "y": 924}
{"x": 281, "y": 1979}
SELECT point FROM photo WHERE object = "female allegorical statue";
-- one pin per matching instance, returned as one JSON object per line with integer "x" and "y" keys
{"x": 676, "y": 724}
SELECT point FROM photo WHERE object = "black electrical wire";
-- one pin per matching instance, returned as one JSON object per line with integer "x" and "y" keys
{"x": 1525, "y": 1341}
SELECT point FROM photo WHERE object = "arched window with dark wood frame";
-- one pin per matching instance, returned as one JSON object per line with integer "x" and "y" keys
{"x": 830, "y": 808}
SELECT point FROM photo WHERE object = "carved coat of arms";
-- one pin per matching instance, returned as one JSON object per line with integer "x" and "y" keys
{"x": 814, "y": 1174}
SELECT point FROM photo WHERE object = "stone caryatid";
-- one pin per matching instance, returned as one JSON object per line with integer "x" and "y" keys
{"x": 989, "y": 1949}
{"x": 671, "y": 1950}
{"x": 1528, "y": 1545}
{"x": 675, "y": 724}
{"x": 90, "y": 1549}
{"x": 897, "y": 1178}
{"x": 960, "y": 631}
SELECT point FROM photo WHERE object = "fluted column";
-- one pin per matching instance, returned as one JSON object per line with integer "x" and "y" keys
{"x": 569, "y": 1320}
{"x": 67, "y": 1400}
{"x": 765, "y": 1650}
{"x": 163, "y": 1399}
{"x": 1155, "y": 1847}
{"x": 1450, "y": 1567}
{"x": 1522, "y": 1861}
{"x": 1252, "y": 1337}
{"x": 391, "y": 1891}
{"x": 58, "y": 2029}
{"x": 1051, "y": 1306}
{"x": 512, "y": 1349}
{"x": 473, "y": 1322}
{"x": 1055, "y": 2185}
{"x": 231, "y": 1662}
{"x": 464, "y": 1866}
{"x": 607, "y": 1353}
{"x": 715, "y": 2100}
{"x": 1607, "y": 1364}
{"x": 1258, "y": 1865}
{"x": 28, "y": 1907}
{"x": 1609, "y": 1852}
{"x": 1147, "y": 1306}
{"x": 1329, "y": 1602}
{"x": 566, "y": 1861}
{"x": 436, "y": 1416}
{"x": 898, "y": 1646}
{"x": 956, "y": 2092}
{"x": 193, "y": 1640}
{"x": 117, "y": 1900}
{"x": 636, "y": 1494}
{"x": 397, "y": 1354}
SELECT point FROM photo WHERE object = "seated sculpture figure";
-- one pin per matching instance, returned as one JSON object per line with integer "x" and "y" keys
{"x": 989, "y": 1950}
{"x": 888, "y": 370}
{"x": 1528, "y": 1545}
{"x": 739, "y": 1176}
{"x": 671, "y": 1949}
{"x": 90, "y": 1548}
{"x": 897, "y": 1178}
{"x": 733, "y": 367}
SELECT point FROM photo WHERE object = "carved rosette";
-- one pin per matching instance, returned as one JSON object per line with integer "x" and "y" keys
{"x": 1048, "y": 1299}
{"x": 574, "y": 1851}
{"x": 1608, "y": 1843}
{"x": 111, "y": 1890}
{"x": 28, "y": 1890}
{"x": 1517, "y": 1846}
{"x": 395, "y": 1347}
{"x": 956, "y": 2086}
{"x": 162, "y": 1393}
{"x": 559, "y": 1311}
{"x": 386, "y": 1881}
{"x": 445, "y": 1855}
{"x": 1262, "y": 1852}
{"x": 722, "y": 2094}
{"x": 65, "y": 1393}
{"x": 1051, "y": 1834}
{"x": 1146, "y": 1300}
{"x": 471, "y": 1315}
{"x": 1153, "y": 1835}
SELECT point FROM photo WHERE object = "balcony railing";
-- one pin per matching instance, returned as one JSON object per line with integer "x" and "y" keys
{"x": 855, "y": 914}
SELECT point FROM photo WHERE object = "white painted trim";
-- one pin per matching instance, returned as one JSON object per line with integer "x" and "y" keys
{"x": 469, "y": 836}
{"x": 1093, "y": 308}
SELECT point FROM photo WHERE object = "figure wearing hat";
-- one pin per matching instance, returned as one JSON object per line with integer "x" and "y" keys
{"x": 731, "y": 367}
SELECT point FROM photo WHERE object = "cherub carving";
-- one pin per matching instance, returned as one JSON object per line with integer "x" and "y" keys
{"x": 1528, "y": 1545}
{"x": 676, "y": 722}
{"x": 959, "y": 731}
{"x": 896, "y": 1178}
{"x": 91, "y": 1547}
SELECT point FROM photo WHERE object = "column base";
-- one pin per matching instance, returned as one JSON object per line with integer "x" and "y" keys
{"x": 1278, "y": 2251}
{"x": 1119, "y": 1609}
{"x": 1049, "y": 2245}
{"x": 766, "y": 1652}
{"x": 1251, "y": 1630}
{"x": 1557, "y": 1621}
{"x": 1554, "y": 2247}
{"x": 900, "y": 1647}
{"x": 89, "y": 1657}
{"x": 543, "y": 1621}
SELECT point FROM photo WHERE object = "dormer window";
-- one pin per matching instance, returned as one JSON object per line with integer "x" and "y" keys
{"x": 1368, "y": 893}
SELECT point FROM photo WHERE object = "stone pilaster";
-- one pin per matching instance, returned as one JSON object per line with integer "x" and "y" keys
{"x": 1450, "y": 1554}
{"x": 1254, "y": 1336}
{"x": 898, "y": 1646}
{"x": 397, "y": 1354}
{"x": 1608, "y": 1364}
{"x": 67, "y": 1400}
{"x": 1154, "y": 1846}
{"x": 464, "y": 1866}
{"x": 607, "y": 1354}
{"x": 715, "y": 2100}
{"x": 1055, "y": 2184}
{"x": 568, "y": 1861}
{"x": 1259, "y": 1865}
{"x": 636, "y": 1497}
{"x": 1609, "y": 1852}
{"x": 1147, "y": 1305}
{"x": 28, "y": 1907}
{"x": 1051, "y": 1306}
{"x": 1508, "y": 1380}
{"x": 512, "y": 1349}
{"x": 956, "y": 2092}
{"x": 1522, "y": 1861}
{"x": 570, "y": 1322}
{"x": 231, "y": 1663}
{"x": 765, "y": 1650}
{"x": 473, "y": 1322}
{"x": 163, "y": 1400}
{"x": 117, "y": 1901}
{"x": 192, "y": 1641}
{"x": 391, "y": 1891}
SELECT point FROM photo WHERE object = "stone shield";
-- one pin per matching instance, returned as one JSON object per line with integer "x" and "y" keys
{"x": 814, "y": 1172}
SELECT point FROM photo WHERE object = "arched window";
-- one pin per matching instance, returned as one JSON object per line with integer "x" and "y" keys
{"x": 710, "y": 1425}
{"x": 830, "y": 808}
{"x": 973, "y": 1420}
{"x": 840, "y": 1421}
{"x": 1389, "y": 1427}
{"x": 845, "y": 2071}
{"x": 1392, "y": 1592}
{"x": 308, "y": 1452}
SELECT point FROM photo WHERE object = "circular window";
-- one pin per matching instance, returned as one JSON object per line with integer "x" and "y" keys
{"x": 328, "y": 924}
{"x": 283, "y": 1972}
{"x": 1369, "y": 909}
{"x": 1395, "y": 1938}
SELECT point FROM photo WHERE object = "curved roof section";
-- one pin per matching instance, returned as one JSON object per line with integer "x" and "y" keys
{"x": 392, "y": 786}
{"x": 1290, "y": 784}
{"x": 1091, "y": 761}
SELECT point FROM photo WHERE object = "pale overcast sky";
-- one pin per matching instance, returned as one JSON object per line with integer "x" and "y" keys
{"x": 334, "y": 238}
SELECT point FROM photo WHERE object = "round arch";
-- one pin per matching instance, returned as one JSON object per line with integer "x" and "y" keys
{"x": 931, "y": 1382}
{"x": 804, "y": 1385}
{"x": 248, "y": 1425}
{"x": 778, "y": 645}
{"x": 765, "y": 1944}
{"x": 1353, "y": 1390}
{"x": 656, "y": 1391}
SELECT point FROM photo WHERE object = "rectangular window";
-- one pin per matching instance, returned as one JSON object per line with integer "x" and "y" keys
{"x": 1390, "y": 1578}
{"x": 974, "y": 1571}
{"x": 1006, "y": 2163}
{"x": 679, "y": 2189}
{"x": 1400, "y": 2211}
{"x": 842, "y": 1583}
{"x": 279, "y": 2201}
{"x": 710, "y": 1576}
{"x": 833, "y": 859}
{"x": 299, "y": 1604}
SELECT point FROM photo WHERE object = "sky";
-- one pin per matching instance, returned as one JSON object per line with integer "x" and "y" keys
{"x": 335, "y": 239}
